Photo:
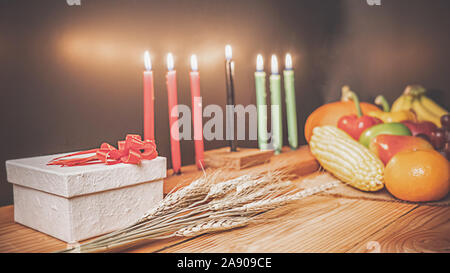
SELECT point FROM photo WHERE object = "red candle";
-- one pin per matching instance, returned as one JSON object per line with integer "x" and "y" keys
{"x": 149, "y": 100}
{"x": 171, "y": 80}
{"x": 194, "y": 77}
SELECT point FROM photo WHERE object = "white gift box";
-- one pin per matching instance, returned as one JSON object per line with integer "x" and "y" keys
{"x": 77, "y": 203}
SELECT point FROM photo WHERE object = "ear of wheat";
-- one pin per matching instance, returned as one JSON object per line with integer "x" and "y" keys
{"x": 209, "y": 204}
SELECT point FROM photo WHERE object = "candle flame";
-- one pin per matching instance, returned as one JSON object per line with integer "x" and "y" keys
{"x": 170, "y": 63}
{"x": 259, "y": 63}
{"x": 228, "y": 52}
{"x": 274, "y": 64}
{"x": 194, "y": 63}
{"x": 147, "y": 61}
{"x": 288, "y": 61}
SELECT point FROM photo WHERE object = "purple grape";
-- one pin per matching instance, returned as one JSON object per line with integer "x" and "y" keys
{"x": 438, "y": 138}
{"x": 445, "y": 121}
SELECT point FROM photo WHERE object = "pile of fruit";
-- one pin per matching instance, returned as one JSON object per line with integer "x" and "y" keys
{"x": 405, "y": 148}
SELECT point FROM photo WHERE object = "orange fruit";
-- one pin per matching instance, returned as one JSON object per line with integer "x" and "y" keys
{"x": 329, "y": 114}
{"x": 418, "y": 176}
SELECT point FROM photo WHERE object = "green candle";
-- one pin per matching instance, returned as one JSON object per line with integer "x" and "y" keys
{"x": 275, "y": 98}
{"x": 260, "y": 84}
{"x": 291, "y": 109}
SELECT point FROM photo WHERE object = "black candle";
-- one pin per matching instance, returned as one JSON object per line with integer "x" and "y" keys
{"x": 229, "y": 74}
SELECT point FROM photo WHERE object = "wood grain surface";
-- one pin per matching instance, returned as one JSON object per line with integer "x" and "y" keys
{"x": 241, "y": 159}
{"x": 318, "y": 224}
{"x": 424, "y": 229}
{"x": 321, "y": 223}
{"x": 17, "y": 238}
{"x": 315, "y": 224}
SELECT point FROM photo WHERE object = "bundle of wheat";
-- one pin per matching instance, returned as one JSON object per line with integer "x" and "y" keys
{"x": 212, "y": 203}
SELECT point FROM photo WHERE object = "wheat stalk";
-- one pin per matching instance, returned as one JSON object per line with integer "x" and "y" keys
{"x": 212, "y": 225}
{"x": 209, "y": 204}
{"x": 240, "y": 199}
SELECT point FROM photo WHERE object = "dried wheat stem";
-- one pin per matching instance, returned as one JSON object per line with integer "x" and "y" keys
{"x": 182, "y": 198}
{"x": 260, "y": 181}
{"x": 282, "y": 200}
{"x": 220, "y": 189}
{"x": 212, "y": 225}
{"x": 239, "y": 198}
{"x": 164, "y": 224}
{"x": 207, "y": 205}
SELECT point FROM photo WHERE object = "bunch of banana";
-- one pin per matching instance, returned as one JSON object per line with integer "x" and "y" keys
{"x": 414, "y": 98}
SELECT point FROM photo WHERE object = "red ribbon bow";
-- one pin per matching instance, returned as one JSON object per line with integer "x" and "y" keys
{"x": 131, "y": 151}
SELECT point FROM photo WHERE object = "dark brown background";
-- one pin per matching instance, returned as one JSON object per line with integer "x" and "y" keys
{"x": 70, "y": 76}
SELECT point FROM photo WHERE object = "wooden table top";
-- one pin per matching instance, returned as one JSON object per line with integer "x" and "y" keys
{"x": 315, "y": 224}
{"x": 320, "y": 223}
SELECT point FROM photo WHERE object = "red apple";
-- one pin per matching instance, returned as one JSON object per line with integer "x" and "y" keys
{"x": 386, "y": 146}
{"x": 424, "y": 127}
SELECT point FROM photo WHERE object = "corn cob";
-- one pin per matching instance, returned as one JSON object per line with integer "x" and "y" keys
{"x": 347, "y": 159}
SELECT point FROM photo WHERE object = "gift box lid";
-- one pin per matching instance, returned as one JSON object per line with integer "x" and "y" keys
{"x": 69, "y": 182}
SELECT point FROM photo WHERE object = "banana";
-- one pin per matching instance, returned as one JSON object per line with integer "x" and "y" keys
{"x": 408, "y": 102}
{"x": 398, "y": 104}
{"x": 423, "y": 114}
{"x": 432, "y": 106}
{"x": 414, "y": 97}
{"x": 404, "y": 102}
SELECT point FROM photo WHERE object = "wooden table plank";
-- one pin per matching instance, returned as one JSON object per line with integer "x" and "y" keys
{"x": 316, "y": 224}
{"x": 424, "y": 229}
{"x": 17, "y": 238}
{"x": 319, "y": 223}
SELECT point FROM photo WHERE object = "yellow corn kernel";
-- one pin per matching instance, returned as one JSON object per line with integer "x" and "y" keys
{"x": 347, "y": 159}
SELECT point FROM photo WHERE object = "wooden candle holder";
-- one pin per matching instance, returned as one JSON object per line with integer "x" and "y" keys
{"x": 241, "y": 159}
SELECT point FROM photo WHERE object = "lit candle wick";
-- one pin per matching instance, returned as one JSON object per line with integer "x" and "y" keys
{"x": 259, "y": 63}
{"x": 147, "y": 61}
{"x": 170, "y": 64}
{"x": 274, "y": 65}
{"x": 194, "y": 63}
{"x": 288, "y": 62}
{"x": 228, "y": 52}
